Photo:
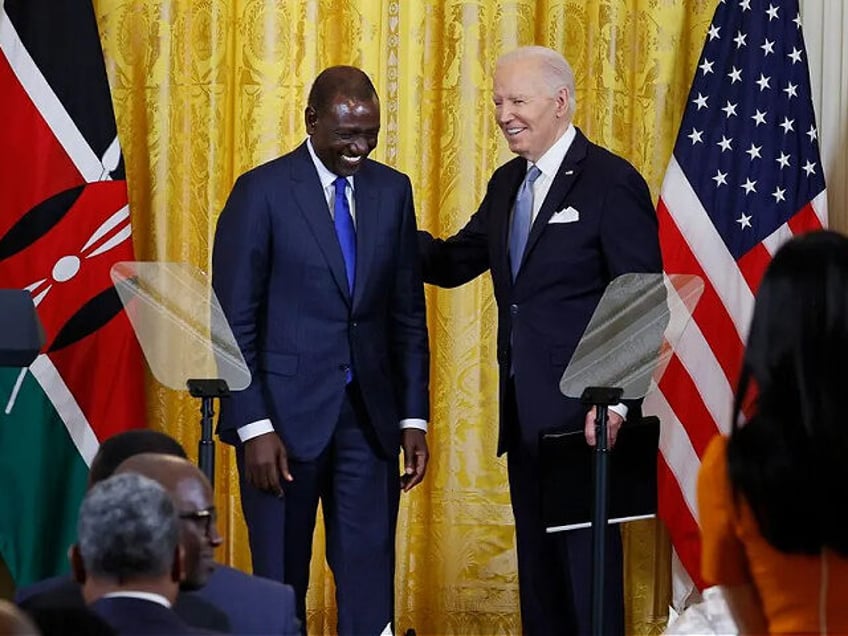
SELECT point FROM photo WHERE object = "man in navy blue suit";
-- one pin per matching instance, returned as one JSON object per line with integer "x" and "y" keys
{"x": 128, "y": 558}
{"x": 227, "y": 600}
{"x": 253, "y": 605}
{"x": 557, "y": 224}
{"x": 315, "y": 265}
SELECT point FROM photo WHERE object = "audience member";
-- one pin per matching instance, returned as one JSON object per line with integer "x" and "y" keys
{"x": 128, "y": 558}
{"x": 230, "y": 600}
{"x": 63, "y": 592}
{"x": 773, "y": 498}
{"x": 271, "y": 607}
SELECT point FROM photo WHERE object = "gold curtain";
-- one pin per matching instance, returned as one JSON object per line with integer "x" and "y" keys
{"x": 205, "y": 89}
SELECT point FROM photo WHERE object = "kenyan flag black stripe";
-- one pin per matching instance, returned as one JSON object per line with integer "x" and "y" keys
{"x": 48, "y": 26}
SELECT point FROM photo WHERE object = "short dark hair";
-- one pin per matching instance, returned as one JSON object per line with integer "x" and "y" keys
{"x": 788, "y": 460}
{"x": 114, "y": 450}
{"x": 340, "y": 80}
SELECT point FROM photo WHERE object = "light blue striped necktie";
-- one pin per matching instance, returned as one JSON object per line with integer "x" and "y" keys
{"x": 522, "y": 216}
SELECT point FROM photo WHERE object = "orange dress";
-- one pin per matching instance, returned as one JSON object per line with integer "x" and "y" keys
{"x": 799, "y": 593}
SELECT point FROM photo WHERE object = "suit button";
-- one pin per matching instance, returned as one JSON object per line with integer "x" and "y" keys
{"x": 354, "y": 324}
{"x": 513, "y": 309}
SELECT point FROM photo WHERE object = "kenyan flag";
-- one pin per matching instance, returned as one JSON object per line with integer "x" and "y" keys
{"x": 64, "y": 220}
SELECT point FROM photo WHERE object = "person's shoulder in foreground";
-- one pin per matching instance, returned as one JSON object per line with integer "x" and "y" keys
{"x": 254, "y": 605}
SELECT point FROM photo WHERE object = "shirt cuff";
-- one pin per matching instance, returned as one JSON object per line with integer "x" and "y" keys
{"x": 414, "y": 422}
{"x": 255, "y": 429}
{"x": 619, "y": 408}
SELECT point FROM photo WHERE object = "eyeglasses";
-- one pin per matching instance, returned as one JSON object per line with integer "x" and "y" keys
{"x": 205, "y": 517}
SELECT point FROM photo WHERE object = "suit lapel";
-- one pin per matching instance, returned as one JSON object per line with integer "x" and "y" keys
{"x": 309, "y": 197}
{"x": 368, "y": 212}
{"x": 566, "y": 177}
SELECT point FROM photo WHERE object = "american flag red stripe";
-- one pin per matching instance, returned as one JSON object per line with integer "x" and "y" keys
{"x": 744, "y": 177}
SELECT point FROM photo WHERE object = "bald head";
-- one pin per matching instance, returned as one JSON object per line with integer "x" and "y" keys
{"x": 168, "y": 470}
{"x": 192, "y": 494}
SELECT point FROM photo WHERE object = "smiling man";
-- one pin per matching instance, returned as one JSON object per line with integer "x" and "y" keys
{"x": 557, "y": 224}
{"x": 315, "y": 265}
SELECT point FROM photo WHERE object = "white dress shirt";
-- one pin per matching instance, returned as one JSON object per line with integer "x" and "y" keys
{"x": 144, "y": 596}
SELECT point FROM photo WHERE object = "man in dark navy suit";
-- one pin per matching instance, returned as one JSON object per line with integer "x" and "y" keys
{"x": 128, "y": 558}
{"x": 227, "y": 600}
{"x": 253, "y": 605}
{"x": 315, "y": 265}
{"x": 557, "y": 224}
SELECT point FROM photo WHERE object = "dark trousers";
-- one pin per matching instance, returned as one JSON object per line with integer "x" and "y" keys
{"x": 555, "y": 570}
{"x": 359, "y": 492}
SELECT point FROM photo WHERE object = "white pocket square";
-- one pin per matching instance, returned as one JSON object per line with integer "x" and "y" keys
{"x": 566, "y": 215}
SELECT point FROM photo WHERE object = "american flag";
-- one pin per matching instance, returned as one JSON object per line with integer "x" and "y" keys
{"x": 745, "y": 176}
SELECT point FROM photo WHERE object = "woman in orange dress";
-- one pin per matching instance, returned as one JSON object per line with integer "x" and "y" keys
{"x": 773, "y": 497}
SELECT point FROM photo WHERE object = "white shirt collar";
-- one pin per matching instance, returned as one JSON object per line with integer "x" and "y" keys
{"x": 327, "y": 178}
{"x": 144, "y": 596}
{"x": 550, "y": 162}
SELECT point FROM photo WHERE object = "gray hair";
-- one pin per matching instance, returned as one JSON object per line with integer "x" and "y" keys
{"x": 556, "y": 71}
{"x": 127, "y": 529}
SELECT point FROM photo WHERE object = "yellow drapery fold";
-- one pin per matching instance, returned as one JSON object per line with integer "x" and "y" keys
{"x": 205, "y": 89}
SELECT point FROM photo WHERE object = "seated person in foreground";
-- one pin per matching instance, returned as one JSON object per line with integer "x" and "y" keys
{"x": 128, "y": 557}
{"x": 773, "y": 497}
{"x": 62, "y": 592}
{"x": 253, "y": 605}
{"x": 226, "y": 599}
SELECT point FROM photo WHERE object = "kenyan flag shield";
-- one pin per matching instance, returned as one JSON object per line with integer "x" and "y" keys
{"x": 64, "y": 221}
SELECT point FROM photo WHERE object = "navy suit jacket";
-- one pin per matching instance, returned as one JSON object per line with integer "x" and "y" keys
{"x": 279, "y": 274}
{"x": 138, "y": 617}
{"x": 231, "y": 601}
{"x": 253, "y": 605}
{"x": 64, "y": 591}
{"x": 565, "y": 269}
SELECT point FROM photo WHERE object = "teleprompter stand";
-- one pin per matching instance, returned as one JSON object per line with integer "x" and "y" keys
{"x": 207, "y": 390}
{"x": 185, "y": 337}
{"x": 601, "y": 398}
{"x": 621, "y": 356}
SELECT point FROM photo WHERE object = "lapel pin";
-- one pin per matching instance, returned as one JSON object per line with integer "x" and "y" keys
{"x": 569, "y": 172}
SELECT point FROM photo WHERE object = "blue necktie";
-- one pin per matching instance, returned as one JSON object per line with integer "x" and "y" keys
{"x": 346, "y": 233}
{"x": 345, "y": 230}
{"x": 522, "y": 216}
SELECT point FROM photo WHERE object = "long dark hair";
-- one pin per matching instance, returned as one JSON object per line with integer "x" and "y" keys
{"x": 790, "y": 460}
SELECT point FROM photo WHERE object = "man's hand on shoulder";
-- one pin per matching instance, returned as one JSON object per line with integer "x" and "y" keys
{"x": 415, "y": 457}
{"x": 265, "y": 459}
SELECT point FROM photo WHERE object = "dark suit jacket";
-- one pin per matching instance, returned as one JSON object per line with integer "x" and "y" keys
{"x": 63, "y": 591}
{"x": 253, "y": 605}
{"x": 279, "y": 274}
{"x": 138, "y": 617}
{"x": 565, "y": 269}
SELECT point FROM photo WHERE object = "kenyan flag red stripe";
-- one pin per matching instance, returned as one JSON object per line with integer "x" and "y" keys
{"x": 64, "y": 221}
